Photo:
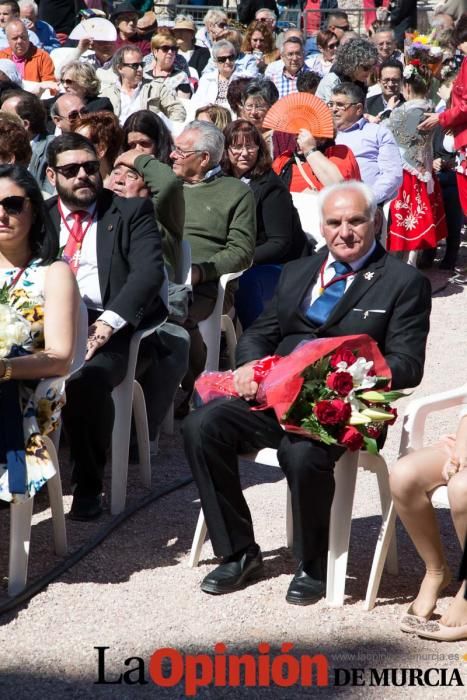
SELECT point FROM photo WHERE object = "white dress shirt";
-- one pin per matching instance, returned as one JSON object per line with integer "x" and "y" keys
{"x": 87, "y": 275}
{"x": 129, "y": 103}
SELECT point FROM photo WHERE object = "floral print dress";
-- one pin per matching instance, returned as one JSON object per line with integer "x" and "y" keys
{"x": 40, "y": 408}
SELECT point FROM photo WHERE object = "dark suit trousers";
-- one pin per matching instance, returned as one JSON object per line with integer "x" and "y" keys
{"x": 89, "y": 412}
{"x": 216, "y": 433}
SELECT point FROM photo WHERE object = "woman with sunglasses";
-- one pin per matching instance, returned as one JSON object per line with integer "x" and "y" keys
{"x": 354, "y": 63}
{"x": 163, "y": 69}
{"x": 80, "y": 79}
{"x": 42, "y": 297}
{"x": 327, "y": 43}
{"x": 213, "y": 85}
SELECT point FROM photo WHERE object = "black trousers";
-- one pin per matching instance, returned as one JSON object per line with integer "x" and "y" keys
{"x": 88, "y": 415}
{"x": 216, "y": 433}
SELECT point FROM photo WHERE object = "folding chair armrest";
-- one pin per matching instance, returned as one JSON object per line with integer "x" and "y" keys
{"x": 228, "y": 277}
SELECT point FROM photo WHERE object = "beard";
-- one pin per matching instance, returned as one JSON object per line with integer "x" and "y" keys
{"x": 76, "y": 196}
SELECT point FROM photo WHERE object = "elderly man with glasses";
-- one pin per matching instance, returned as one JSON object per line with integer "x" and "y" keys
{"x": 373, "y": 145}
{"x": 132, "y": 92}
{"x": 220, "y": 225}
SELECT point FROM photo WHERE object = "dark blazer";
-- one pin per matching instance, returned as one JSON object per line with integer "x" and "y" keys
{"x": 388, "y": 300}
{"x": 129, "y": 257}
{"x": 374, "y": 106}
{"x": 279, "y": 234}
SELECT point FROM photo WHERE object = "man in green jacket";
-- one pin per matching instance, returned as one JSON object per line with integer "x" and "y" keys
{"x": 220, "y": 225}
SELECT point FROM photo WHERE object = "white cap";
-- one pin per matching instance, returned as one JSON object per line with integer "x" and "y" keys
{"x": 96, "y": 28}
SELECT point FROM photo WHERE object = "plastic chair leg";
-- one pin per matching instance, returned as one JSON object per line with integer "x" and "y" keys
{"x": 120, "y": 446}
{"x": 392, "y": 565}
{"x": 54, "y": 487}
{"x": 198, "y": 540}
{"x": 142, "y": 434}
{"x": 386, "y": 535}
{"x": 20, "y": 538}
{"x": 339, "y": 531}
{"x": 167, "y": 426}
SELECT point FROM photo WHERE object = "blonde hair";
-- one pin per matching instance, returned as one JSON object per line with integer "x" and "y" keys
{"x": 162, "y": 39}
{"x": 85, "y": 76}
{"x": 220, "y": 116}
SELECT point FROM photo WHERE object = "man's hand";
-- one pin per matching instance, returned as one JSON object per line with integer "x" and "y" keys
{"x": 84, "y": 44}
{"x": 372, "y": 119}
{"x": 128, "y": 158}
{"x": 244, "y": 382}
{"x": 98, "y": 334}
{"x": 429, "y": 123}
{"x": 437, "y": 165}
{"x": 393, "y": 101}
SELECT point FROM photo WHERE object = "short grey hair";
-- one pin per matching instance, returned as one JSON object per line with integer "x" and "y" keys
{"x": 266, "y": 10}
{"x": 222, "y": 44}
{"x": 351, "y": 90}
{"x": 292, "y": 40}
{"x": 355, "y": 185}
{"x": 209, "y": 139}
{"x": 355, "y": 53}
{"x": 215, "y": 16}
{"x": 29, "y": 3}
{"x": 118, "y": 57}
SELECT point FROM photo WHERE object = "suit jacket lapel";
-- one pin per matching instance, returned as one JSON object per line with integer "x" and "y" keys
{"x": 308, "y": 278}
{"x": 107, "y": 222}
{"x": 364, "y": 280}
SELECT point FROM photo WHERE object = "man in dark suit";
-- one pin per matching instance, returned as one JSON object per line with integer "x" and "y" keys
{"x": 114, "y": 248}
{"x": 390, "y": 79}
{"x": 382, "y": 297}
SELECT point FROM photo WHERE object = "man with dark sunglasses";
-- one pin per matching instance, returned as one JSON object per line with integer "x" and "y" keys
{"x": 65, "y": 111}
{"x": 113, "y": 246}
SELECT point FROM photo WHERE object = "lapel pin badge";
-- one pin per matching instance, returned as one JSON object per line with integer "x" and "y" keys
{"x": 369, "y": 275}
{"x": 109, "y": 227}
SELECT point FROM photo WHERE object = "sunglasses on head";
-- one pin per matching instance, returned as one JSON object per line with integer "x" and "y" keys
{"x": 166, "y": 48}
{"x": 90, "y": 167}
{"x": 224, "y": 59}
{"x": 13, "y": 205}
{"x": 134, "y": 66}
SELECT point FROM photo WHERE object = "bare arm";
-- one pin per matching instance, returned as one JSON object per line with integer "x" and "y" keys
{"x": 60, "y": 323}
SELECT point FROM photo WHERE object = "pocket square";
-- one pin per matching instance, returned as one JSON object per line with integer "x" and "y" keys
{"x": 367, "y": 312}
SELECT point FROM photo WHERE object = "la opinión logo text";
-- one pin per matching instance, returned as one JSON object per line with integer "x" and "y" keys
{"x": 169, "y": 667}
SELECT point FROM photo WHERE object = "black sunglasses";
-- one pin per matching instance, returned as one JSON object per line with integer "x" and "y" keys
{"x": 134, "y": 66}
{"x": 224, "y": 59}
{"x": 13, "y": 205}
{"x": 90, "y": 167}
{"x": 166, "y": 48}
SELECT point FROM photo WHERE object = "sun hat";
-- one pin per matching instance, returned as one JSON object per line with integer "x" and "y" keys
{"x": 185, "y": 24}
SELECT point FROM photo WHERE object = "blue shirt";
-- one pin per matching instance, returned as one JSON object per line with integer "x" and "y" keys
{"x": 47, "y": 36}
{"x": 377, "y": 155}
{"x": 285, "y": 83}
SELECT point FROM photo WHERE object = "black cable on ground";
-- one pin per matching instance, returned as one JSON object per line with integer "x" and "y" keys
{"x": 36, "y": 586}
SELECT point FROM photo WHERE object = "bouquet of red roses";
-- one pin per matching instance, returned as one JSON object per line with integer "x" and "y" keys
{"x": 335, "y": 390}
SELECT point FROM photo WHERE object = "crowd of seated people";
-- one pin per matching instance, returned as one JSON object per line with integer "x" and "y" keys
{"x": 118, "y": 144}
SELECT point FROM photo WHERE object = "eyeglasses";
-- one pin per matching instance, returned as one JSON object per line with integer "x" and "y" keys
{"x": 332, "y": 46}
{"x": 224, "y": 59}
{"x": 252, "y": 148}
{"x": 255, "y": 108}
{"x": 90, "y": 167}
{"x": 74, "y": 114}
{"x": 342, "y": 27}
{"x": 13, "y": 206}
{"x": 68, "y": 81}
{"x": 166, "y": 48}
{"x": 341, "y": 106}
{"x": 184, "y": 154}
{"x": 264, "y": 19}
{"x": 367, "y": 68}
{"x": 394, "y": 81}
{"x": 126, "y": 18}
{"x": 133, "y": 66}
{"x": 221, "y": 25}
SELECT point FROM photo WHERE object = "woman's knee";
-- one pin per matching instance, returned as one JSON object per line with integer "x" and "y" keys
{"x": 403, "y": 478}
{"x": 457, "y": 492}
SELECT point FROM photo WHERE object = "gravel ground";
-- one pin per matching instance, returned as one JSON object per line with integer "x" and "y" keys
{"x": 135, "y": 593}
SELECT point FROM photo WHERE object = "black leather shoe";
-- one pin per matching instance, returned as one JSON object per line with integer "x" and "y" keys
{"x": 307, "y": 588}
{"x": 231, "y": 575}
{"x": 86, "y": 508}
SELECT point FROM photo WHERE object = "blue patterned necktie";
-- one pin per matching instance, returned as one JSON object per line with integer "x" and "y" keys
{"x": 319, "y": 311}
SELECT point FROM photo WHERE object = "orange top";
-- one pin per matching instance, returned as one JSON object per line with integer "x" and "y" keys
{"x": 339, "y": 155}
{"x": 38, "y": 66}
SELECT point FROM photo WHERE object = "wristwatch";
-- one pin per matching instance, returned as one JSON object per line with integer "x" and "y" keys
{"x": 310, "y": 150}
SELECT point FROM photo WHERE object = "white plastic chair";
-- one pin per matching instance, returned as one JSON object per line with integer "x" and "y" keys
{"x": 217, "y": 322}
{"x": 412, "y": 439}
{"x": 21, "y": 513}
{"x": 128, "y": 398}
{"x": 345, "y": 474}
